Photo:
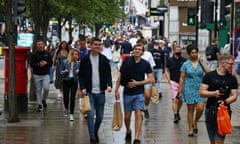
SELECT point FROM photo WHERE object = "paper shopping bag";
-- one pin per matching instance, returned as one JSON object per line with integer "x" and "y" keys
{"x": 117, "y": 117}
{"x": 155, "y": 94}
{"x": 84, "y": 104}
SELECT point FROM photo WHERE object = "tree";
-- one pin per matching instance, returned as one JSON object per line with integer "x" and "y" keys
{"x": 12, "y": 97}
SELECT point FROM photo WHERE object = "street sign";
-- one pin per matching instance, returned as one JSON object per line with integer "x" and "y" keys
{"x": 160, "y": 10}
{"x": 154, "y": 12}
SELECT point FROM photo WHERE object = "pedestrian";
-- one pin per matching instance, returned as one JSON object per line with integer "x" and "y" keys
{"x": 69, "y": 70}
{"x": 51, "y": 50}
{"x": 132, "y": 77}
{"x": 212, "y": 54}
{"x": 107, "y": 48}
{"x": 219, "y": 87}
{"x": 60, "y": 55}
{"x": 147, "y": 87}
{"x": 116, "y": 56}
{"x": 40, "y": 62}
{"x": 95, "y": 78}
{"x": 159, "y": 58}
{"x": 172, "y": 72}
{"x": 126, "y": 48}
{"x": 83, "y": 47}
{"x": 190, "y": 78}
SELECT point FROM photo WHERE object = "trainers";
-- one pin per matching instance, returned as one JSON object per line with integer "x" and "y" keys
{"x": 66, "y": 113}
{"x": 128, "y": 137}
{"x": 39, "y": 108}
{"x": 71, "y": 118}
{"x": 44, "y": 104}
{"x": 175, "y": 120}
{"x": 136, "y": 141}
{"x": 146, "y": 113}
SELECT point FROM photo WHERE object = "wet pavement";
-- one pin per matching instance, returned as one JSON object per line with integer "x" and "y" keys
{"x": 53, "y": 128}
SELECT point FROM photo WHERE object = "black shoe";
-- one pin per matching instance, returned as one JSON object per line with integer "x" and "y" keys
{"x": 146, "y": 113}
{"x": 128, "y": 137}
{"x": 39, "y": 109}
{"x": 44, "y": 104}
{"x": 160, "y": 95}
{"x": 97, "y": 138}
{"x": 195, "y": 131}
{"x": 178, "y": 116}
{"x": 175, "y": 120}
{"x": 136, "y": 141}
{"x": 51, "y": 82}
{"x": 93, "y": 141}
{"x": 190, "y": 135}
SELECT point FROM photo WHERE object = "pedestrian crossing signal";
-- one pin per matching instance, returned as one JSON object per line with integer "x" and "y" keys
{"x": 191, "y": 21}
{"x": 191, "y": 16}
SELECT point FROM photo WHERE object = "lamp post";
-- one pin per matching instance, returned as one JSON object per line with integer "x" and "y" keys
{"x": 196, "y": 23}
{"x": 215, "y": 18}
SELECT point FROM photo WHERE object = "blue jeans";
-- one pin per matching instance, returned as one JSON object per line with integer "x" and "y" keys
{"x": 42, "y": 84}
{"x": 158, "y": 78}
{"x": 51, "y": 73}
{"x": 97, "y": 102}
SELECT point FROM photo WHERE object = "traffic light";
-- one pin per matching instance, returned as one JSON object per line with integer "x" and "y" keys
{"x": 206, "y": 12}
{"x": 224, "y": 10}
{"x": 191, "y": 16}
{"x": 19, "y": 7}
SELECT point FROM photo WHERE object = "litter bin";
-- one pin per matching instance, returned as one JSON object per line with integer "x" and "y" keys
{"x": 21, "y": 55}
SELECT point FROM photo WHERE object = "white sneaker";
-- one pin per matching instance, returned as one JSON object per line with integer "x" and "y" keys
{"x": 71, "y": 117}
{"x": 66, "y": 113}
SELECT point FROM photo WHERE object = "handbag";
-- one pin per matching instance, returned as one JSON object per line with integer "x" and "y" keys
{"x": 223, "y": 121}
{"x": 155, "y": 94}
{"x": 84, "y": 104}
{"x": 117, "y": 117}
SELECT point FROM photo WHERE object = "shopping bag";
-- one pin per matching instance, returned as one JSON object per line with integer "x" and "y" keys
{"x": 117, "y": 117}
{"x": 155, "y": 94}
{"x": 223, "y": 121}
{"x": 84, "y": 104}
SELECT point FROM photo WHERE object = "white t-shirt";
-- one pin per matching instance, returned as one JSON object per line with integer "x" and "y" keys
{"x": 107, "y": 52}
{"x": 149, "y": 58}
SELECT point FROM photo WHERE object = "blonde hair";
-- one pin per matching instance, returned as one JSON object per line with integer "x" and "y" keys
{"x": 70, "y": 55}
{"x": 225, "y": 56}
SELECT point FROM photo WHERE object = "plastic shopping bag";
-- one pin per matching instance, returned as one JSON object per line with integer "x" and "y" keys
{"x": 223, "y": 121}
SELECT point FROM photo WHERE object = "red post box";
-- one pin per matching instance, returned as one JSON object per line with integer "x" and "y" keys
{"x": 21, "y": 55}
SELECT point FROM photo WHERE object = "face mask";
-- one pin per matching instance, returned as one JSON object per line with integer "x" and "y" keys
{"x": 155, "y": 47}
{"x": 178, "y": 54}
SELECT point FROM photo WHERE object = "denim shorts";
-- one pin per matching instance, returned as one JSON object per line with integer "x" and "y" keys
{"x": 133, "y": 102}
{"x": 148, "y": 86}
{"x": 212, "y": 130}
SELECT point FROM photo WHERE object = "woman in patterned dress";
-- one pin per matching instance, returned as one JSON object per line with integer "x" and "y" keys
{"x": 192, "y": 72}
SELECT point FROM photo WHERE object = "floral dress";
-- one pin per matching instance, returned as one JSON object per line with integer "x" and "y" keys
{"x": 192, "y": 82}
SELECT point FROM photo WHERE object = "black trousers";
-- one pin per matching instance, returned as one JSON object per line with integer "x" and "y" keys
{"x": 69, "y": 92}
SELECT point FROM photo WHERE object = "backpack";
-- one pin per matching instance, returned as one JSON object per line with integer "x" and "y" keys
{"x": 210, "y": 53}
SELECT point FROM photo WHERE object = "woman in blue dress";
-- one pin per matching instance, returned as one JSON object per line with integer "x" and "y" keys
{"x": 192, "y": 72}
